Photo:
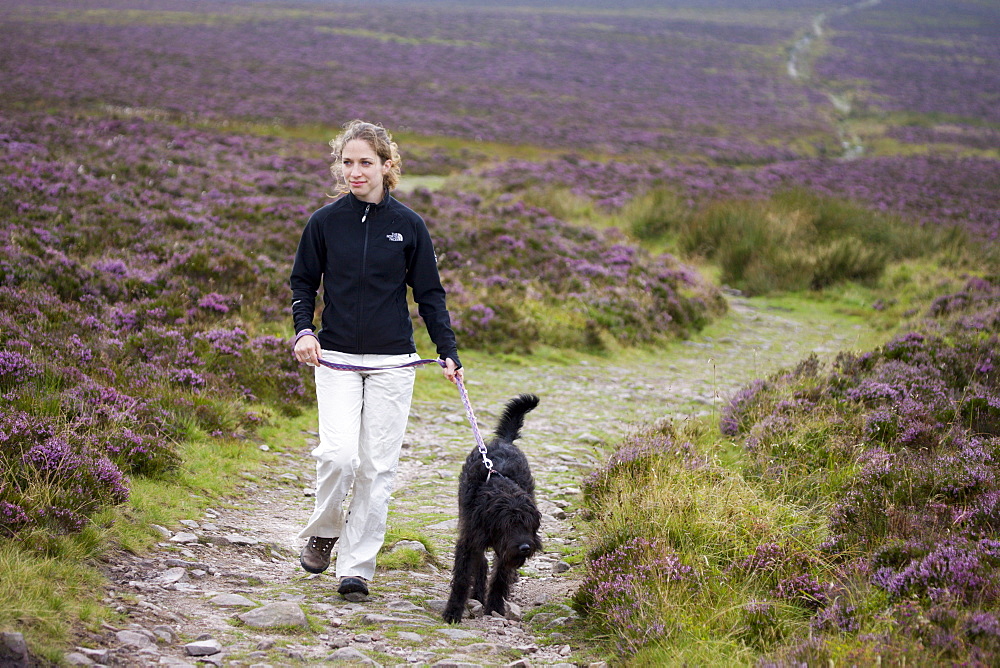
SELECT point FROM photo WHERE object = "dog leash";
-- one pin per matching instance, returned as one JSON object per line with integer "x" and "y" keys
{"x": 480, "y": 444}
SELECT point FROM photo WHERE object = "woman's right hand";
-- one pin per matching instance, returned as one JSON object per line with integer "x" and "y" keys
{"x": 308, "y": 351}
{"x": 452, "y": 371}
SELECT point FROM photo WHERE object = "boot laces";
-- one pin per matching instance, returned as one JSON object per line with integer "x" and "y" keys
{"x": 322, "y": 544}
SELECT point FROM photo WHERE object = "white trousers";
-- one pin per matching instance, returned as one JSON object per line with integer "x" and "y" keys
{"x": 362, "y": 420}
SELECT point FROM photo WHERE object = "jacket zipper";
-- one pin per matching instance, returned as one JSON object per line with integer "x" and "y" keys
{"x": 364, "y": 265}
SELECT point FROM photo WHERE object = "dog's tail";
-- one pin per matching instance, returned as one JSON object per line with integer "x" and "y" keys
{"x": 509, "y": 427}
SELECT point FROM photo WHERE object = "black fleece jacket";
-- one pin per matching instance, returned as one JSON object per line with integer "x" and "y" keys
{"x": 365, "y": 255}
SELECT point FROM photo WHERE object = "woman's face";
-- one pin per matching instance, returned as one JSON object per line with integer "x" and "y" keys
{"x": 363, "y": 171}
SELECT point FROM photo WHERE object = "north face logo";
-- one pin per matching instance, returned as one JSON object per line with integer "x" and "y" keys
{"x": 395, "y": 236}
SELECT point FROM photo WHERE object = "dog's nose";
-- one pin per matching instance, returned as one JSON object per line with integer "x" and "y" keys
{"x": 525, "y": 549}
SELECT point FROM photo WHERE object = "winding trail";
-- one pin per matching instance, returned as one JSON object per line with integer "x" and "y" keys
{"x": 246, "y": 547}
{"x": 851, "y": 145}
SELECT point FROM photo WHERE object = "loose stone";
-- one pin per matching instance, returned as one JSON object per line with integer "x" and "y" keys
{"x": 403, "y": 606}
{"x": 350, "y": 655}
{"x": 281, "y": 613}
{"x": 165, "y": 633}
{"x": 184, "y": 537}
{"x": 172, "y": 575}
{"x": 203, "y": 647}
{"x": 409, "y": 545}
{"x": 133, "y": 639}
{"x": 163, "y": 531}
{"x": 457, "y": 634}
{"x": 231, "y": 600}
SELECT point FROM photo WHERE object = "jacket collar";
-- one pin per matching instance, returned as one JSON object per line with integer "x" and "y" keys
{"x": 359, "y": 206}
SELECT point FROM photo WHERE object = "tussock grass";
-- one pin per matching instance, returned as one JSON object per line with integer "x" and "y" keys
{"x": 795, "y": 241}
{"x": 47, "y": 587}
{"x": 669, "y": 528}
{"x": 393, "y": 557}
{"x": 657, "y": 214}
{"x": 687, "y": 595}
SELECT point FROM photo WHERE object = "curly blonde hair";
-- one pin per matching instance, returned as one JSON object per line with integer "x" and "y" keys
{"x": 381, "y": 142}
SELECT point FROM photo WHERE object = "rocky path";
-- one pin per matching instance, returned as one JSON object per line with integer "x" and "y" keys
{"x": 226, "y": 589}
{"x": 798, "y": 54}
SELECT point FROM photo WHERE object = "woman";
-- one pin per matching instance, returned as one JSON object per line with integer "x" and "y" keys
{"x": 365, "y": 248}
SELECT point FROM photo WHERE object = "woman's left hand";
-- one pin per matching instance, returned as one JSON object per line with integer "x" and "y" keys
{"x": 451, "y": 372}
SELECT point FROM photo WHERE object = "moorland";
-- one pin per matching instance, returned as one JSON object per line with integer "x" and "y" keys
{"x": 597, "y": 181}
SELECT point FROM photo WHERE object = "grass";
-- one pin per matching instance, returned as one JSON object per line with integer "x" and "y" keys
{"x": 708, "y": 515}
{"x": 48, "y": 583}
{"x": 48, "y": 593}
{"x": 411, "y": 183}
{"x": 396, "y": 558}
{"x": 702, "y": 554}
{"x": 562, "y": 203}
{"x": 794, "y": 242}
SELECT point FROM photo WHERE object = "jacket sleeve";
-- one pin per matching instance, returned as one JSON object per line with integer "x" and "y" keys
{"x": 429, "y": 294}
{"x": 307, "y": 273}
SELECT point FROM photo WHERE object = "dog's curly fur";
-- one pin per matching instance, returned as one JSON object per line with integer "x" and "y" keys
{"x": 498, "y": 514}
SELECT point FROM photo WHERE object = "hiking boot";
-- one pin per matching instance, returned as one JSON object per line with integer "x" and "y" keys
{"x": 354, "y": 589}
{"x": 315, "y": 556}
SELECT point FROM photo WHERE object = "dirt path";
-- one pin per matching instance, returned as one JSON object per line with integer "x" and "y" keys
{"x": 248, "y": 548}
{"x": 798, "y": 54}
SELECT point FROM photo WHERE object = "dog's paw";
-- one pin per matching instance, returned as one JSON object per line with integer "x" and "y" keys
{"x": 452, "y": 616}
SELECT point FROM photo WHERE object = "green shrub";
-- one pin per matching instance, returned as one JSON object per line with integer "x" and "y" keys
{"x": 798, "y": 240}
{"x": 656, "y": 214}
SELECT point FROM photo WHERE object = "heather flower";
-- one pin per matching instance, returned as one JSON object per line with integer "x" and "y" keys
{"x": 113, "y": 267}
{"x": 952, "y": 570}
{"x": 767, "y": 557}
{"x": 12, "y": 517}
{"x": 881, "y": 426}
{"x": 225, "y": 341}
{"x": 836, "y": 618}
{"x": 760, "y": 624}
{"x": 108, "y": 479}
{"x": 54, "y": 456}
{"x": 187, "y": 377}
{"x": 16, "y": 368}
{"x": 635, "y": 458}
{"x": 213, "y": 301}
{"x": 981, "y": 411}
{"x": 734, "y": 411}
{"x": 983, "y": 625}
{"x": 623, "y": 582}
{"x": 80, "y": 480}
{"x": 253, "y": 417}
{"x": 769, "y": 430}
{"x": 18, "y": 428}
{"x": 482, "y": 315}
{"x": 802, "y": 590}
{"x": 61, "y": 520}
{"x": 875, "y": 393}
{"x": 123, "y": 320}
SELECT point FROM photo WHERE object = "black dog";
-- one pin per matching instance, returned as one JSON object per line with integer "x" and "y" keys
{"x": 495, "y": 512}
